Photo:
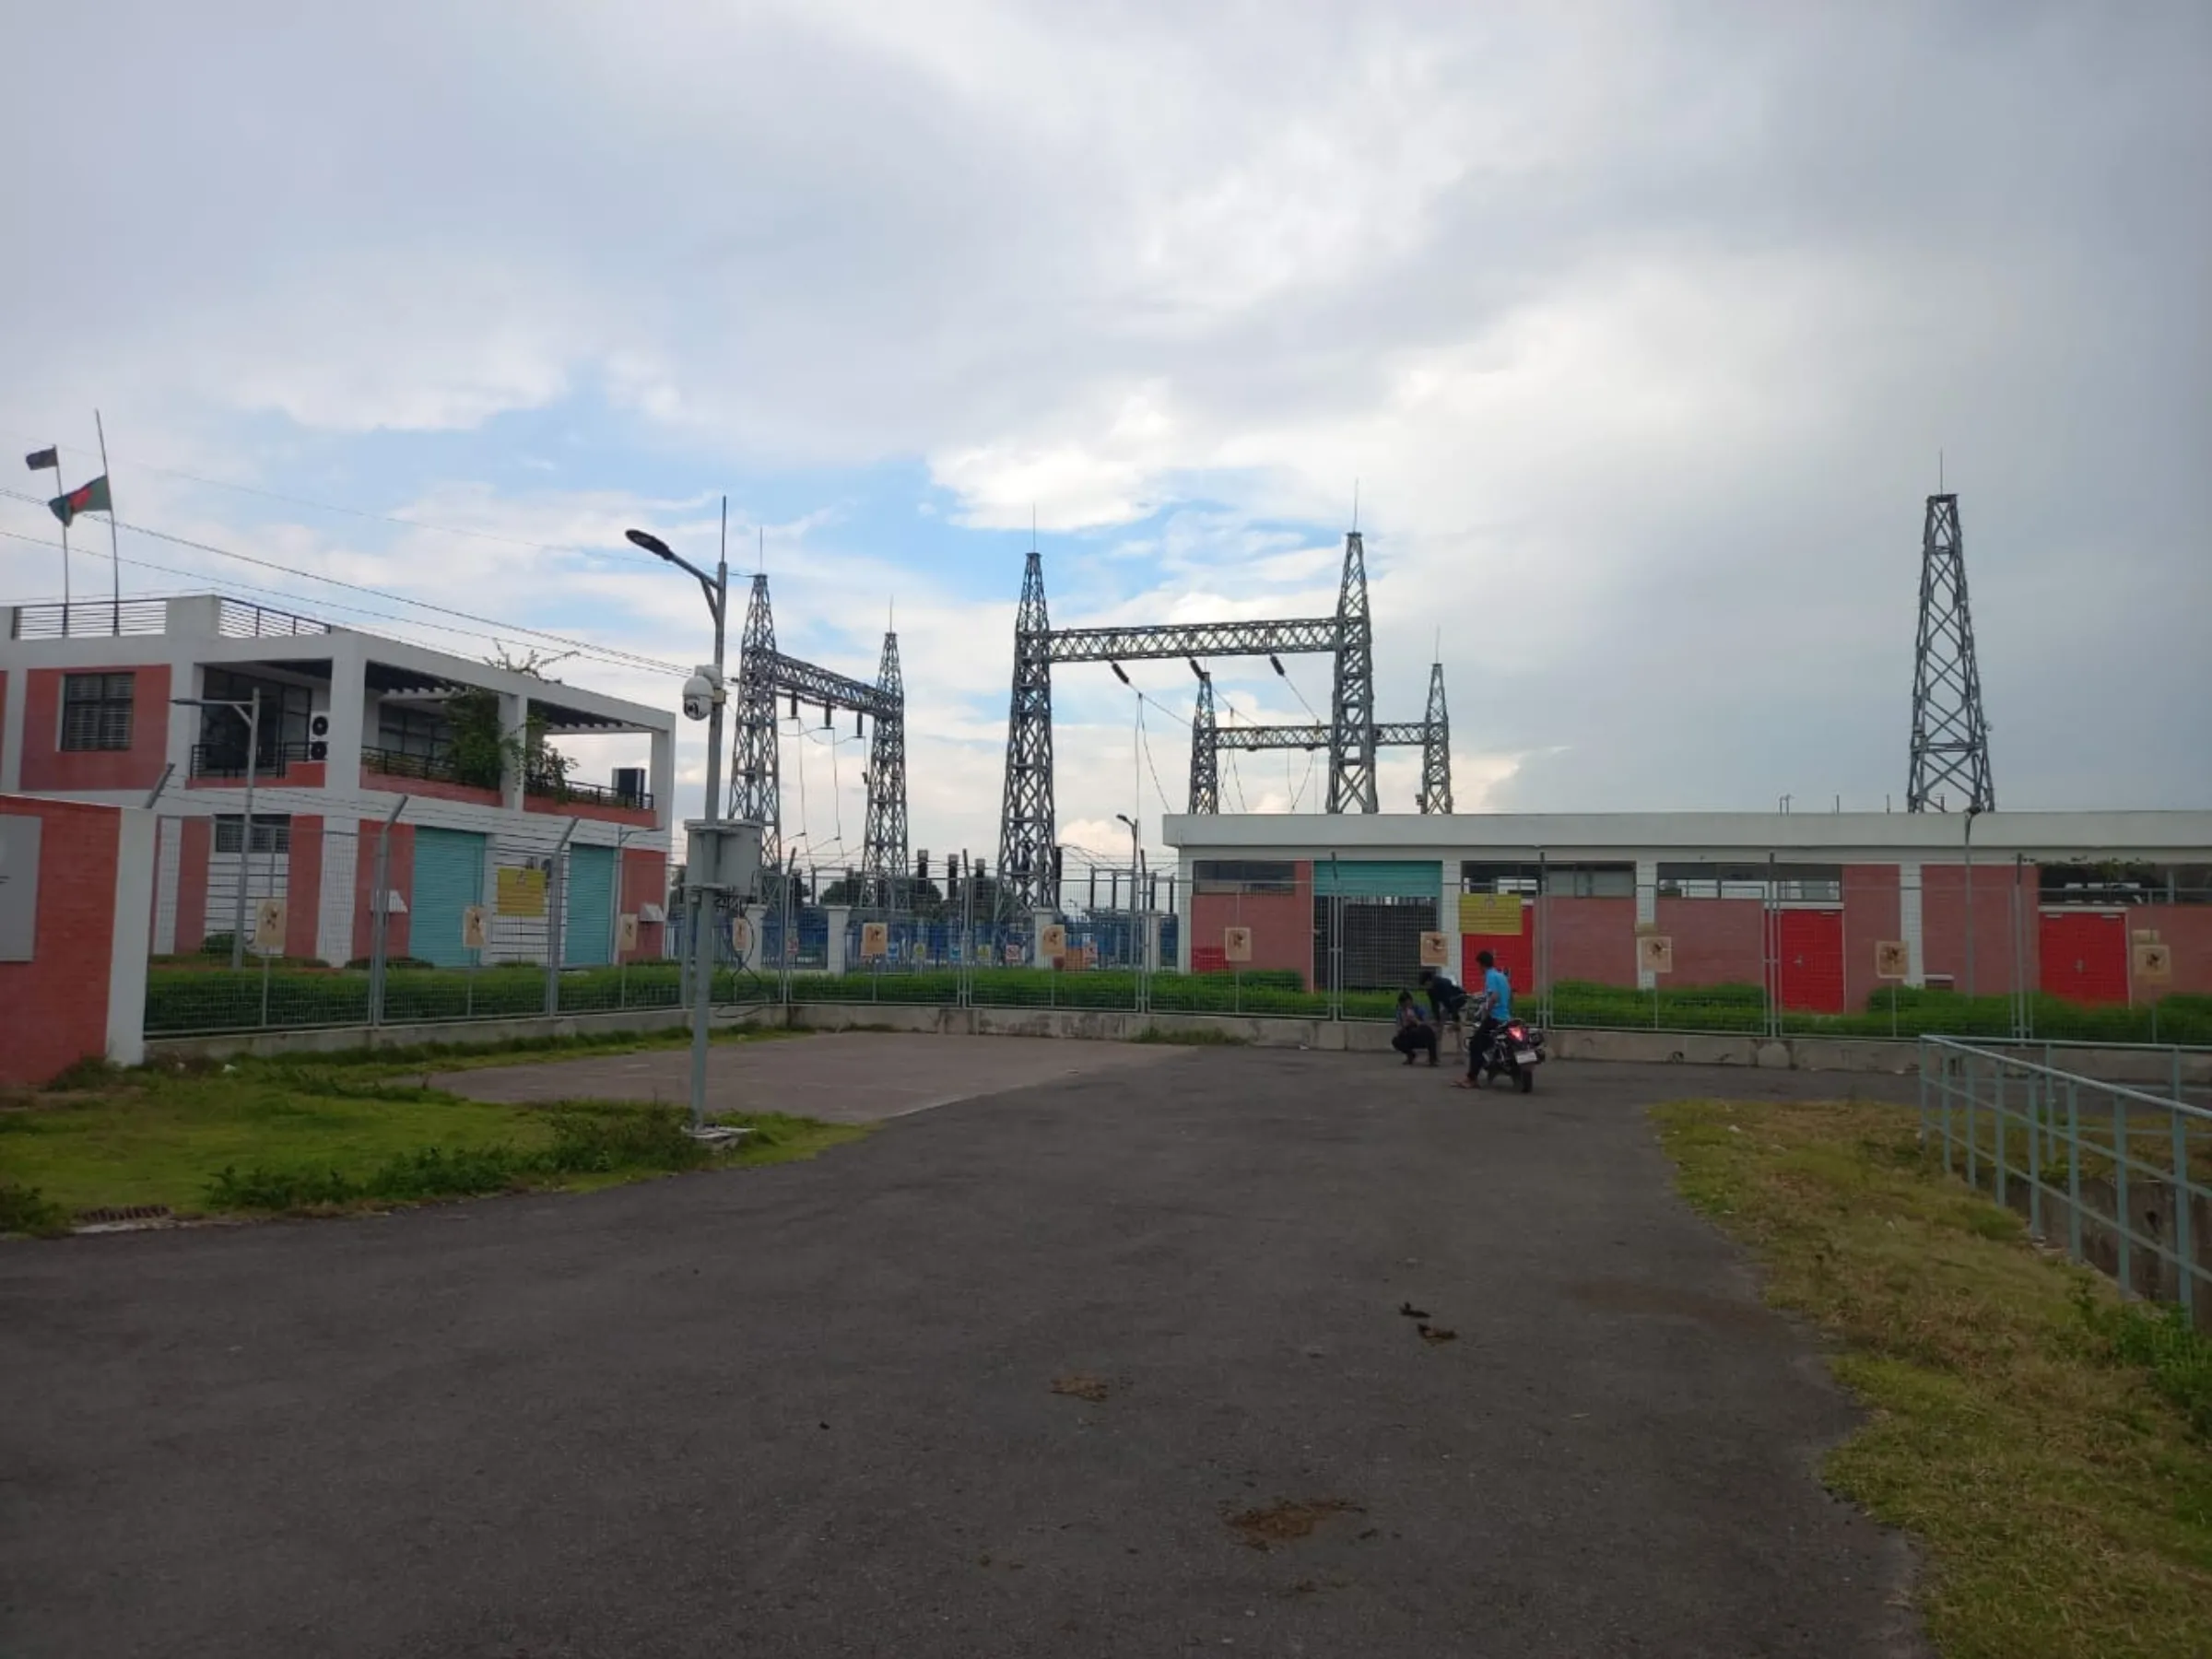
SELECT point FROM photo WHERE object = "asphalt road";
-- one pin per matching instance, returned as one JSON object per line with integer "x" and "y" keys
{"x": 811, "y": 1410}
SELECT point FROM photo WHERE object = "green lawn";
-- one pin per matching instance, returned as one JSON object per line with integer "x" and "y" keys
{"x": 324, "y": 1134}
{"x": 2049, "y": 1444}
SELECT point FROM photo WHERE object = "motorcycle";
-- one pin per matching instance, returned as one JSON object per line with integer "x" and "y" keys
{"x": 1516, "y": 1047}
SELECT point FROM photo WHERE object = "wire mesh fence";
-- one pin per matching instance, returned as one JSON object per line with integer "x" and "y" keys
{"x": 486, "y": 927}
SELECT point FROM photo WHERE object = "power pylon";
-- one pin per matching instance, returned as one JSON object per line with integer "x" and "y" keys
{"x": 764, "y": 674}
{"x": 755, "y": 793}
{"x": 1026, "y": 829}
{"x": 1436, "y": 747}
{"x": 1206, "y": 764}
{"x": 1950, "y": 734}
{"x": 883, "y": 843}
{"x": 1352, "y": 700}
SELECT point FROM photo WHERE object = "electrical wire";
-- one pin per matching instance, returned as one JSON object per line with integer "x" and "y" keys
{"x": 1145, "y": 745}
{"x": 255, "y": 587}
{"x": 359, "y": 513}
{"x": 610, "y": 654}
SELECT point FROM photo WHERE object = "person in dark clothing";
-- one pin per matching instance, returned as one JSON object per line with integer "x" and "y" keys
{"x": 1414, "y": 1033}
{"x": 1445, "y": 998}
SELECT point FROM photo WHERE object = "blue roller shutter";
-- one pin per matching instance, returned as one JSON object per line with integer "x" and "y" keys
{"x": 449, "y": 878}
{"x": 586, "y": 932}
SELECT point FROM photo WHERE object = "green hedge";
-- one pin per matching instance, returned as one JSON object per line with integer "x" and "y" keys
{"x": 183, "y": 1000}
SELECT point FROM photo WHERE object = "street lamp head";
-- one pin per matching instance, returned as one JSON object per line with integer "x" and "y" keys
{"x": 650, "y": 542}
{"x": 1126, "y": 819}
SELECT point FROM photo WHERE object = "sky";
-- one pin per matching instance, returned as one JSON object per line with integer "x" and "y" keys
{"x": 1640, "y": 333}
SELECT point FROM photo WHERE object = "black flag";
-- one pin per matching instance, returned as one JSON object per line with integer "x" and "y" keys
{"x": 45, "y": 459}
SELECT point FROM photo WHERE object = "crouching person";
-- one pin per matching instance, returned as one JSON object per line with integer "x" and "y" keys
{"x": 1414, "y": 1034}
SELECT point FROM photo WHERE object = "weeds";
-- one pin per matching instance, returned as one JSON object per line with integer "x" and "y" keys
{"x": 2160, "y": 1342}
{"x": 25, "y": 1210}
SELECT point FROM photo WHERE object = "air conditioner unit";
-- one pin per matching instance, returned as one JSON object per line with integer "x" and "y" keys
{"x": 318, "y": 736}
{"x": 630, "y": 784}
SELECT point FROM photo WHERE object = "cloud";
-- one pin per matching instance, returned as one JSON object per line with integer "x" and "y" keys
{"x": 1637, "y": 331}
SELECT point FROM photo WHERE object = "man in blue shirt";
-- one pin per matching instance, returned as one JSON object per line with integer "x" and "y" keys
{"x": 1496, "y": 1007}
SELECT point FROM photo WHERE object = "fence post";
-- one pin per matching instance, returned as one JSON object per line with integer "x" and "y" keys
{"x": 2121, "y": 1214}
{"x": 2035, "y": 1091}
{"x": 2073, "y": 1169}
{"x": 557, "y": 892}
{"x": 379, "y": 905}
{"x": 2184, "y": 1258}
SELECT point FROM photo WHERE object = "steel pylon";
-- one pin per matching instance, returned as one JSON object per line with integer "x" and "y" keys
{"x": 1352, "y": 697}
{"x": 1206, "y": 766}
{"x": 1950, "y": 734}
{"x": 883, "y": 844}
{"x": 755, "y": 793}
{"x": 1436, "y": 747}
{"x": 1026, "y": 866}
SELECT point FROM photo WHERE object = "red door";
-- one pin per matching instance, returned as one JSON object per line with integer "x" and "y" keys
{"x": 1811, "y": 945}
{"x": 2085, "y": 955}
{"x": 1516, "y": 953}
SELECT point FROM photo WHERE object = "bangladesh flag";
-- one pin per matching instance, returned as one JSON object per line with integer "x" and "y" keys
{"x": 87, "y": 497}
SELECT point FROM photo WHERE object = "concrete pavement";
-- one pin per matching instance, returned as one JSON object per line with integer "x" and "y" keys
{"x": 1114, "y": 1365}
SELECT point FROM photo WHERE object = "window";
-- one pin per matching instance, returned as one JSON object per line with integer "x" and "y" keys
{"x": 2114, "y": 882}
{"x": 1243, "y": 875}
{"x": 421, "y": 733}
{"x": 1568, "y": 880}
{"x": 272, "y": 832}
{"x": 284, "y": 715}
{"x": 1792, "y": 883}
{"x": 96, "y": 711}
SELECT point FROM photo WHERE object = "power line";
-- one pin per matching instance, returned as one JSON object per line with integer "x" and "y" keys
{"x": 323, "y": 602}
{"x": 607, "y": 653}
{"x": 359, "y": 513}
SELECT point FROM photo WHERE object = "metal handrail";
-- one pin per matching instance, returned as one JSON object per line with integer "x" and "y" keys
{"x": 1982, "y": 1110}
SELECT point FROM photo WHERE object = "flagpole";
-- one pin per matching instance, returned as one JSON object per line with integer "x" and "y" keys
{"x": 114, "y": 550}
{"x": 62, "y": 489}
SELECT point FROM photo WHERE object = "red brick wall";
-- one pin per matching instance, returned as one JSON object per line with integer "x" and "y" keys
{"x": 1589, "y": 939}
{"x": 399, "y": 878}
{"x": 1717, "y": 941}
{"x": 1942, "y": 925}
{"x": 303, "y": 888}
{"x": 644, "y": 881}
{"x": 47, "y": 768}
{"x": 192, "y": 883}
{"x": 54, "y": 1009}
{"x": 297, "y": 775}
{"x": 599, "y": 811}
{"x": 1871, "y": 915}
{"x": 1281, "y": 924}
{"x": 434, "y": 788}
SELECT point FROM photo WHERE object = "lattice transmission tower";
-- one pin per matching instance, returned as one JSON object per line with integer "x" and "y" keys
{"x": 883, "y": 842}
{"x": 1436, "y": 747}
{"x": 1950, "y": 734}
{"x": 1028, "y": 864}
{"x": 764, "y": 675}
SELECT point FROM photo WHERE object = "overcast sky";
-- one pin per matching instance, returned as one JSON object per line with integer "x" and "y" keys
{"x": 1639, "y": 328}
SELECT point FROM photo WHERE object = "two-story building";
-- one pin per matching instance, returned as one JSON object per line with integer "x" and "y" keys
{"x": 350, "y": 723}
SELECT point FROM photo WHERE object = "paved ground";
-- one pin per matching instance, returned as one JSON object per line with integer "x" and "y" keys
{"x": 810, "y": 1410}
{"x": 845, "y": 1078}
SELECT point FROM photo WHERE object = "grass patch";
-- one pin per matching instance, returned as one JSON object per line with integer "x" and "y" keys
{"x": 264, "y": 1136}
{"x": 1197, "y": 1037}
{"x": 2045, "y": 1441}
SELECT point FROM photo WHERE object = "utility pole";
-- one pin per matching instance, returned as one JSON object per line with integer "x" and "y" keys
{"x": 1950, "y": 734}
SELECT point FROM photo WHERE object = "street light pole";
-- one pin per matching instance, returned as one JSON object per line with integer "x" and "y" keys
{"x": 717, "y": 591}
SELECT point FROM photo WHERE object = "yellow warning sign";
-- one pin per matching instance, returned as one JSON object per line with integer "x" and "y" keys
{"x": 1489, "y": 913}
{"x": 1054, "y": 942}
{"x": 1892, "y": 958}
{"x": 472, "y": 927}
{"x": 1436, "y": 950}
{"x": 1655, "y": 953}
{"x": 2154, "y": 964}
{"x": 875, "y": 941}
{"x": 522, "y": 891}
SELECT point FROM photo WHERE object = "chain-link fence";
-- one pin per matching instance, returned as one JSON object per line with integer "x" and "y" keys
{"x": 398, "y": 922}
{"x": 477, "y": 926}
